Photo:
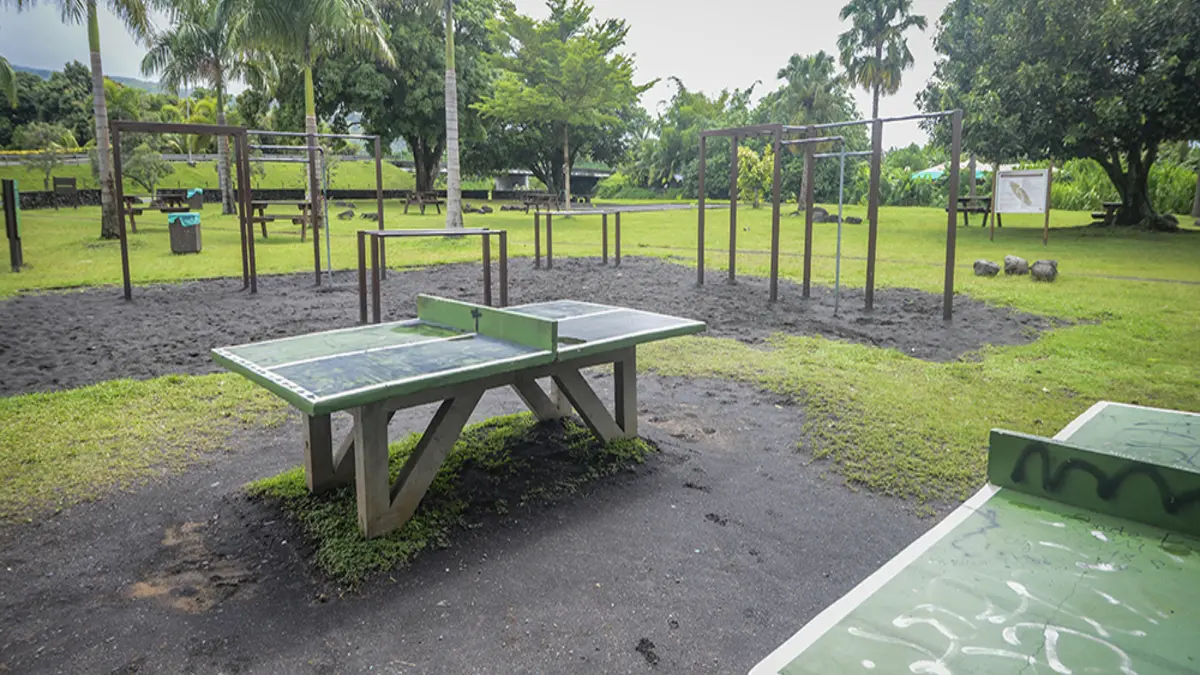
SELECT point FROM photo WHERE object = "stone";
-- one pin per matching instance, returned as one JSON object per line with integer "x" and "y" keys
{"x": 820, "y": 215}
{"x": 485, "y": 209}
{"x": 1044, "y": 270}
{"x": 1015, "y": 265}
{"x": 346, "y": 215}
{"x": 370, "y": 216}
{"x": 851, "y": 220}
{"x": 340, "y": 204}
{"x": 986, "y": 268}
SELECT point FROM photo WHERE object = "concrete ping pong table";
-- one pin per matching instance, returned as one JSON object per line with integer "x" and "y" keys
{"x": 1081, "y": 555}
{"x": 453, "y": 352}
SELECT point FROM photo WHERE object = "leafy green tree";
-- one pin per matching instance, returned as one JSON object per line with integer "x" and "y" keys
{"x": 302, "y": 31}
{"x": 874, "y": 51}
{"x": 133, "y": 14}
{"x": 49, "y": 140}
{"x": 1065, "y": 79}
{"x": 8, "y": 82}
{"x": 202, "y": 44}
{"x": 755, "y": 173}
{"x": 564, "y": 71}
{"x": 146, "y": 167}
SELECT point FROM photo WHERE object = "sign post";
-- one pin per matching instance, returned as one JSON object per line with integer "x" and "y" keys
{"x": 11, "y": 197}
{"x": 1024, "y": 191}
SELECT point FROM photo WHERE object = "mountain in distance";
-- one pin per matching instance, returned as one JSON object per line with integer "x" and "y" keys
{"x": 144, "y": 85}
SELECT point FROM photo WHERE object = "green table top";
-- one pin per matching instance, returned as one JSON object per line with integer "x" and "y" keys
{"x": 1016, "y": 583}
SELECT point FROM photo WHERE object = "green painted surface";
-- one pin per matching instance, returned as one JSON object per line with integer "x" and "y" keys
{"x": 1025, "y": 585}
{"x": 335, "y": 370}
{"x": 1163, "y": 437}
{"x": 531, "y": 331}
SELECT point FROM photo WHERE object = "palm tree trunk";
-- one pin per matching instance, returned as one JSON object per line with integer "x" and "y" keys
{"x": 310, "y": 128}
{"x": 567, "y": 166}
{"x": 876, "y": 85}
{"x": 223, "y": 176}
{"x": 1196, "y": 199}
{"x": 109, "y": 228}
{"x": 454, "y": 216}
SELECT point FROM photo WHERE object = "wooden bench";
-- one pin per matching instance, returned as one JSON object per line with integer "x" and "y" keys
{"x": 423, "y": 199}
{"x": 261, "y": 219}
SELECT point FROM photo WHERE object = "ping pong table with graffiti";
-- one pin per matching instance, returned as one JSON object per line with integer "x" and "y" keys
{"x": 1081, "y": 555}
{"x": 452, "y": 352}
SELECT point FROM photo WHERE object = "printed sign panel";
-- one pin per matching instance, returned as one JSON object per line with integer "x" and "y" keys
{"x": 1022, "y": 191}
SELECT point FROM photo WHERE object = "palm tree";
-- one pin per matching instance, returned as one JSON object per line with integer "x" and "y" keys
{"x": 133, "y": 14}
{"x": 8, "y": 81}
{"x": 454, "y": 216}
{"x": 874, "y": 51}
{"x": 203, "y": 44}
{"x": 303, "y": 30}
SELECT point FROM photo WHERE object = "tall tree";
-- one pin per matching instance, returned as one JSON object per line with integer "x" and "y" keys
{"x": 305, "y": 30}
{"x": 874, "y": 51}
{"x": 564, "y": 71}
{"x": 49, "y": 140}
{"x": 133, "y": 14}
{"x": 8, "y": 82}
{"x": 1063, "y": 79}
{"x": 202, "y": 44}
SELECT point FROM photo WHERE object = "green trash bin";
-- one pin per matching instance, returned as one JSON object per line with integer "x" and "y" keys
{"x": 195, "y": 199}
{"x": 185, "y": 232}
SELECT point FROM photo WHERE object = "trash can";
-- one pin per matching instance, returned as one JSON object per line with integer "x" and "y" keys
{"x": 185, "y": 232}
{"x": 195, "y": 199}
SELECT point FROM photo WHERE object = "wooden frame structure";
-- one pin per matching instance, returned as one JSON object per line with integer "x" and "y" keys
{"x": 604, "y": 212}
{"x": 778, "y": 133}
{"x": 241, "y": 188}
{"x": 362, "y": 456}
{"x": 378, "y": 242}
{"x": 312, "y": 178}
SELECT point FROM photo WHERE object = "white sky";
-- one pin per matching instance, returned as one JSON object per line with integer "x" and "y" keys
{"x": 709, "y": 44}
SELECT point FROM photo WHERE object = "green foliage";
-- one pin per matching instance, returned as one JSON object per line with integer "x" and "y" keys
{"x": 49, "y": 140}
{"x": 489, "y": 470}
{"x": 8, "y": 82}
{"x": 1067, "y": 79}
{"x": 874, "y": 51}
{"x": 754, "y": 174}
{"x": 146, "y": 167}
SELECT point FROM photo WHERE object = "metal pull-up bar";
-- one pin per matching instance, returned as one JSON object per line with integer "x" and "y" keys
{"x": 819, "y": 139}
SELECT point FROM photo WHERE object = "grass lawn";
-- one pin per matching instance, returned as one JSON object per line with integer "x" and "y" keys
{"x": 346, "y": 175}
{"x": 892, "y": 423}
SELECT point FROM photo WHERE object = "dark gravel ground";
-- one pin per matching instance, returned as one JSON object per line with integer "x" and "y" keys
{"x": 62, "y": 340}
{"x": 702, "y": 561}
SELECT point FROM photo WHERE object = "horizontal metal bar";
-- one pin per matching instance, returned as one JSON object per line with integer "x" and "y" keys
{"x": 302, "y": 134}
{"x": 134, "y": 127}
{"x": 443, "y": 232}
{"x": 857, "y": 153}
{"x": 755, "y": 130}
{"x": 287, "y": 147}
{"x": 819, "y": 139}
{"x": 902, "y": 118}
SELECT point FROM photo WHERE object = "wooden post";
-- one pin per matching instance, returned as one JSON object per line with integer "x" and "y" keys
{"x": 549, "y": 240}
{"x": 1049, "y": 184}
{"x": 733, "y": 195}
{"x": 379, "y": 201}
{"x": 604, "y": 238}
{"x": 487, "y": 269}
{"x": 239, "y": 147}
{"x": 700, "y": 220}
{"x": 873, "y": 208}
{"x": 11, "y": 195}
{"x": 809, "y": 189}
{"x": 312, "y": 205}
{"x": 362, "y": 277}
{"x": 617, "y": 241}
{"x": 376, "y": 303}
{"x": 115, "y": 134}
{"x": 247, "y": 211}
{"x": 952, "y": 215}
{"x": 503, "y": 268}
{"x": 776, "y": 179}
{"x": 537, "y": 239}
{"x": 995, "y": 204}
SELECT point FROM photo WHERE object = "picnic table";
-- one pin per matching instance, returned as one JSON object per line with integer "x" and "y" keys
{"x": 1079, "y": 555}
{"x": 423, "y": 199}
{"x": 259, "y": 216}
{"x": 539, "y": 200}
{"x": 134, "y": 206}
{"x": 452, "y": 352}
{"x": 1109, "y": 215}
{"x": 968, "y": 204}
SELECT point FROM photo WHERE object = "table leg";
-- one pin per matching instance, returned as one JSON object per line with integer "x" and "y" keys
{"x": 371, "y": 461}
{"x": 625, "y": 406}
{"x": 324, "y": 469}
{"x": 544, "y": 406}
{"x": 585, "y": 401}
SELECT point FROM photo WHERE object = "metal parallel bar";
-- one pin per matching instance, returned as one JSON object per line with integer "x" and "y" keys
{"x": 288, "y": 147}
{"x": 873, "y": 209}
{"x": 115, "y": 134}
{"x": 901, "y": 118}
{"x": 837, "y": 264}
{"x": 362, "y": 277}
{"x": 376, "y": 303}
{"x": 617, "y": 262}
{"x": 809, "y": 178}
{"x": 312, "y": 202}
{"x": 810, "y": 141}
{"x": 700, "y": 219}
{"x": 246, "y": 214}
{"x": 240, "y": 151}
{"x": 952, "y": 215}
{"x": 604, "y": 238}
{"x": 549, "y": 241}
{"x": 487, "y": 270}
{"x": 537, "y": 240}
{"x": 304, "y": 134}
{"x": 733, "y": 195}
{"x": 856, "y": 153}
{"x": 503, "y": 268}
{"x": 753, "y": 130}
{"x": 775, "y": 195}
{"x": 379, "y": 200}
{"x": 175, "y": 128}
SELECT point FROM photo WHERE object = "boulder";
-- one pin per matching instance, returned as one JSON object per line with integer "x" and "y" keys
{"x": 341, "y": 204}
{"x": 485, "y": 209}
{"x": 986, "y": 268}
{"x": 820, "y": 215}
{"x": 1044, "y": 270}
{"x": 370, "y": 216}
{"x": 1015, "y": 265}
{"x": 346, "y": 215}
{"x": 851, "y": 220}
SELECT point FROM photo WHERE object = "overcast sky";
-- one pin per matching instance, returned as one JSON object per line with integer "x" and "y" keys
{"x": 709, "y": 44}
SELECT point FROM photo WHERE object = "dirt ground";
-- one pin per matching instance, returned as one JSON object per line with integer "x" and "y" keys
{"x": 702, "y": 561}
{"x": 62, "y": 340}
